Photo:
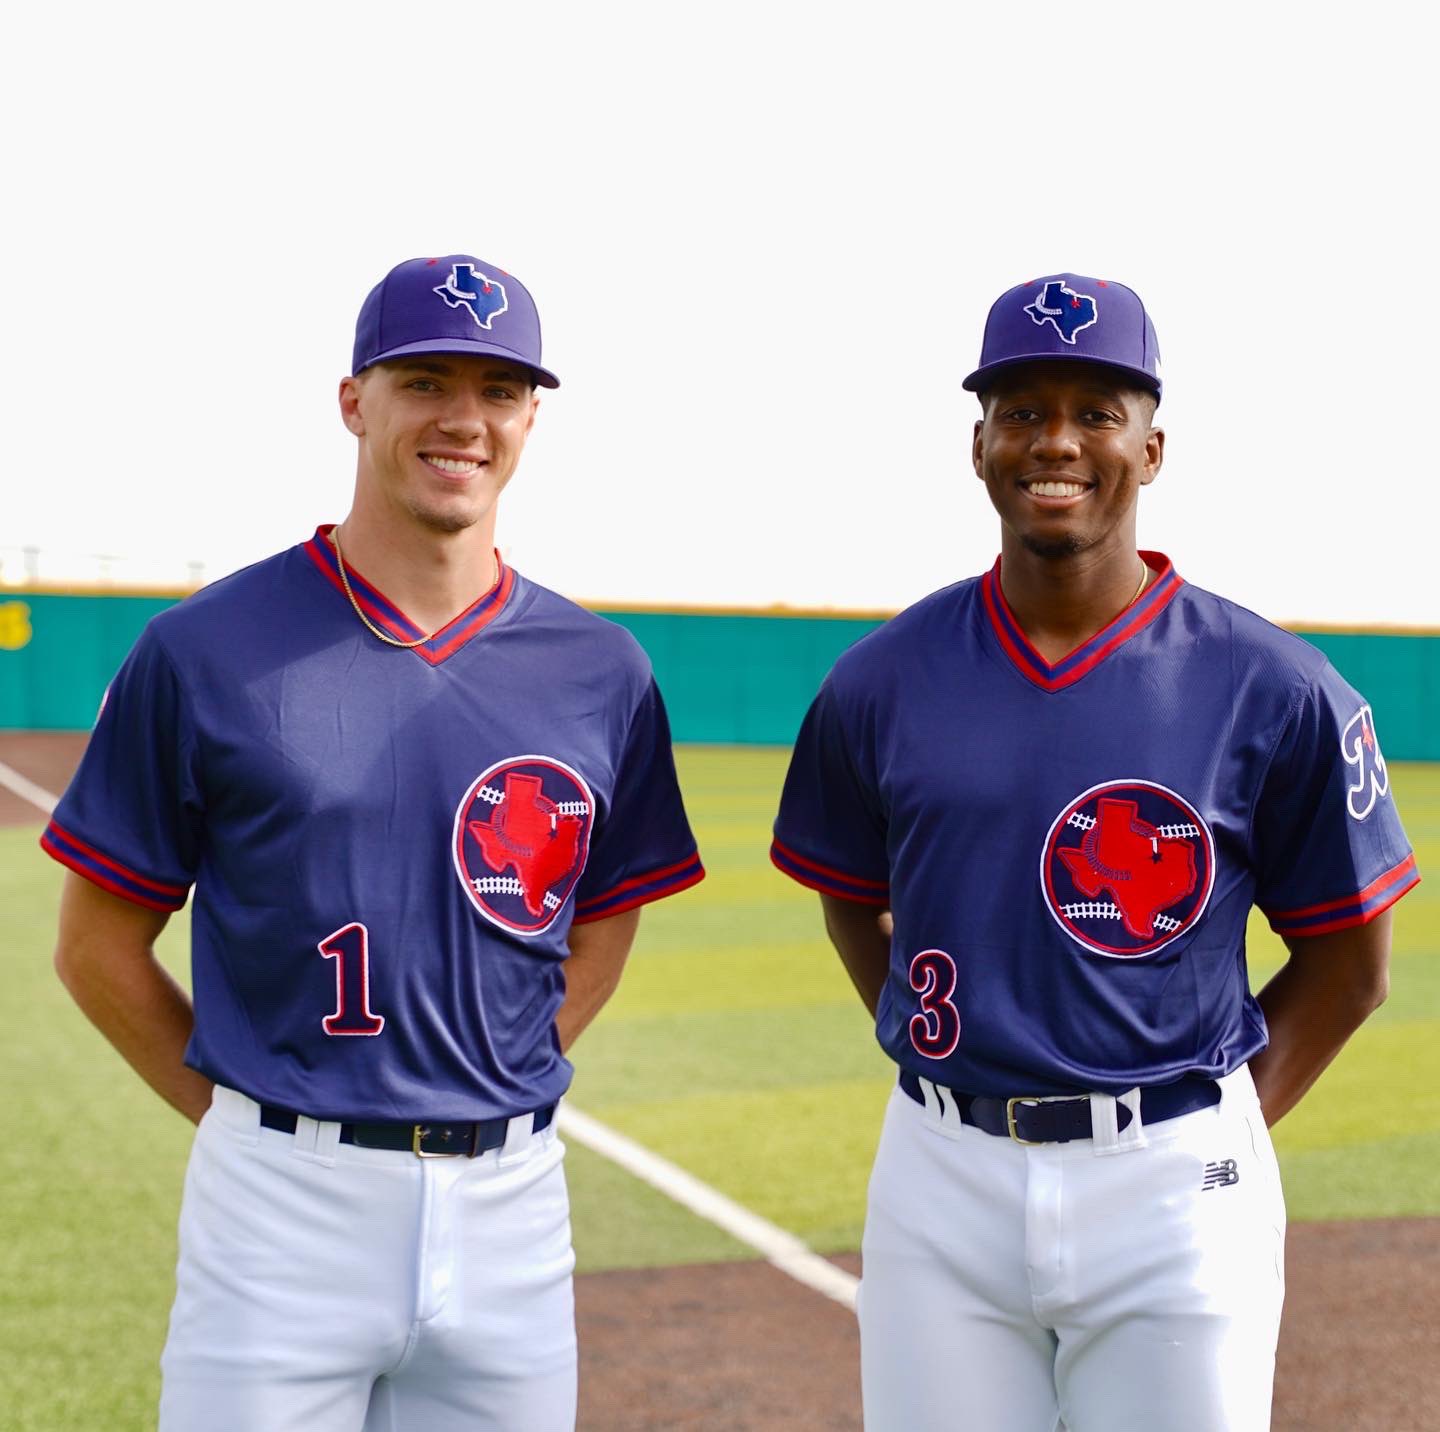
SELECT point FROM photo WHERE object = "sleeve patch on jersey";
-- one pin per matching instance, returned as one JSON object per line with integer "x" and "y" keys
{"x": 641, "y": 890}
{"x": 827, "y": 880}
{"x": 1127, "y": 867}
{"x": 1357, "y": 909}
{"x": 521, "y": 839}
{"x": 1369, "y": 777}
{"x": 109, "y": 874}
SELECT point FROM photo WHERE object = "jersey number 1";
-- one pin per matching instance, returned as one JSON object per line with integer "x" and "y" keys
{"x": 935, "y": 1031}
{"x": 349, "y": 947}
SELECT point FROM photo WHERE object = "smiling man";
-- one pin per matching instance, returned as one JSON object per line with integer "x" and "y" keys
{"x": 1038, "y": 807}
{"x": 420, "y": 809}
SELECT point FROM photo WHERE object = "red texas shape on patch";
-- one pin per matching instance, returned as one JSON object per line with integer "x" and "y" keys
{"x": 1127, "y": 867}
{"x": 522, "y": 834}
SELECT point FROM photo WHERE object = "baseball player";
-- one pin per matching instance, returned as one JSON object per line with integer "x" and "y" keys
{"x": 420, "y": 800}
{"x": 1038, "y": 807}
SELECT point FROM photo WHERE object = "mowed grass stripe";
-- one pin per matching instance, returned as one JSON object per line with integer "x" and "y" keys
{"x": 650, "y": 1061}
{"x": 1390, "y": 1178}
{"x": 619, "y": 1222}
{"x": 778, "y": 976}
{"x": 1372, "y": 1092}
{"x": 799, "y": 1156}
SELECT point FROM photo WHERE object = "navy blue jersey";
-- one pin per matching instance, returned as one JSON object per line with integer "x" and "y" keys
{"x": 388, "y": 846}
{"x": 1070, "y": 851}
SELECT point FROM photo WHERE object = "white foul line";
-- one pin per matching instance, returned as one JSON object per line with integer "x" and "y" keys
{"x": 12, "y": 780}
{"x": 781, "y": 1249}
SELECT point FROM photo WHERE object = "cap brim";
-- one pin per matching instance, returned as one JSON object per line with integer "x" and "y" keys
{"x": 982, "y": 377}
{"x": 472, "y": 347}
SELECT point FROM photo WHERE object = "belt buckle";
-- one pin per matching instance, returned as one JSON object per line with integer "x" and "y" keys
{"x": 420, "y": 1132}
{"x": 1034, "y": 1099}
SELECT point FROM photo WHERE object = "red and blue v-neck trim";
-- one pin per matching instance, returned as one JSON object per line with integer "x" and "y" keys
{"x": 1086, "y": 657}
{"x": 390, "y": 619}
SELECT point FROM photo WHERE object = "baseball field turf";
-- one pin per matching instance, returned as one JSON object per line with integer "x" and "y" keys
{"x": 735, "y": 1048}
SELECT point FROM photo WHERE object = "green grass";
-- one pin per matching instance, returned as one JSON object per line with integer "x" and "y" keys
{"x": 735, "y": 1047}
{"x": 90, "y": 1168}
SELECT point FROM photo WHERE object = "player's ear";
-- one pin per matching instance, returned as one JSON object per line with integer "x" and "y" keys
{"x": 350, "y": 406}
{"x": 977, "y": 447}
{"x": 1154, "y": 455}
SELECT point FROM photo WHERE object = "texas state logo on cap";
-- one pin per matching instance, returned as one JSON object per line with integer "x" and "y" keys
{"x": 1068, "y": 316}
{"x": 455, "y": 304}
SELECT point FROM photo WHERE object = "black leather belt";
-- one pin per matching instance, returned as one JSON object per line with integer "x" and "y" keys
{"x": 1045, "y": 1119}
{"x": 426, "y": 1141}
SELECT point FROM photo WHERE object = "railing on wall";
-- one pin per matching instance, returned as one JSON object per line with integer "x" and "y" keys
{"x": 727, "y": 676}
{"x": 57, "y": 568}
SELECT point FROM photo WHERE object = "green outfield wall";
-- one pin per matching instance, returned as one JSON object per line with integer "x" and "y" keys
{"x": 58, "y": 652}
{"x": 727, "y": 676}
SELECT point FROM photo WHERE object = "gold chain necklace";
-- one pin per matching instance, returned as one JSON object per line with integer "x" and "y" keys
{"x": 1144, "y": 577}
{"x": 345, "y": 582}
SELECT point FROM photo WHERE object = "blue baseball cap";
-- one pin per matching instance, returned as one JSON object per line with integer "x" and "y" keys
{"x": 455, "y": 304}
{"x": 1066, "y": 315}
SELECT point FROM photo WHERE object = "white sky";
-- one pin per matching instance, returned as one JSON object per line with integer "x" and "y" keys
{"x": 763, "y": 239}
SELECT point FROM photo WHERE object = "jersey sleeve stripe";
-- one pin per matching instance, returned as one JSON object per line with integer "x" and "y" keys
{"x": 109, "y": 874}
{"x": 74, "y": 843}
{"x": 798, "y": 859}
{"x": 681, "y": 867}
{"x": 641, "y": 891}
{"x": 815, "y": 876}
{"x": 1357, "y": 909}
{"x": 1373, "y": 888}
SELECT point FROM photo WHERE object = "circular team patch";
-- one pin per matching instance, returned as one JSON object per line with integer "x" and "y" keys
{"x": 1127, "y": 867}
{"x": 522, "y": 834}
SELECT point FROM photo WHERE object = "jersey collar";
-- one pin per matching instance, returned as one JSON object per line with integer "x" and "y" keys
{"x": 389, "y": 618}
{"x": 1086, "y": 657}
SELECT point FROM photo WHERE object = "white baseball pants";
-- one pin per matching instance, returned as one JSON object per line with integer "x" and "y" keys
{"x": 1129, "y": 1283}
{"x": 327, "y": 1288}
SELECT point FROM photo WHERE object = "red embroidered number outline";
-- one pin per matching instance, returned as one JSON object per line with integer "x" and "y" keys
{"x": 349, "y": 947}
{"x": 935, "y": 1031}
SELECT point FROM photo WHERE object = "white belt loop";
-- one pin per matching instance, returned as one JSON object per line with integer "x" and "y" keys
{"x": 327, "y": 1140}
{"x": 237, "y": 1110}
{"x": 307, "y": 1134}
{"x": 517, "y": 1138}
{"x": 1108, "y": 1137}
{"x": 939, "y": 1103}
{"x": 238, "y": 1113}
{"x": 315, "y": 1140}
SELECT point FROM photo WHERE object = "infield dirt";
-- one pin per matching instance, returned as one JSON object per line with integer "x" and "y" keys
{"x": 739, "y": 1347}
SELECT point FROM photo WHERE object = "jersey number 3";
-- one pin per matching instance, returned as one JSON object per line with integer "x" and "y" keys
{"x": 935, "y": 1031}
{"x": 349, "y": 947}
